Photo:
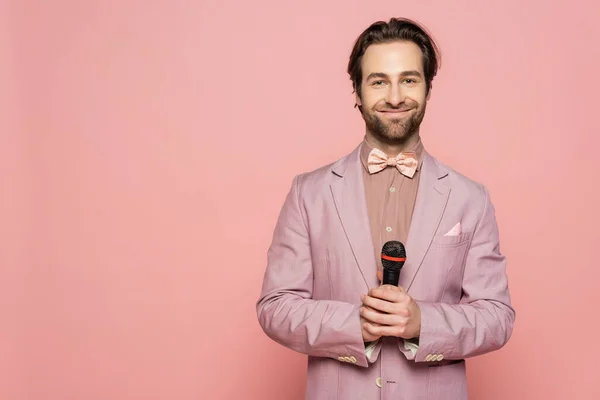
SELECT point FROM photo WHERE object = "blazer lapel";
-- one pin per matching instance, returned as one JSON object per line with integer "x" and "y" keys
{"x": 430, "y": 203}
{"x": 349, "y": 198}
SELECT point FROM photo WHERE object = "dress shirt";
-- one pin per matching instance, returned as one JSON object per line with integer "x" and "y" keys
{"x": 390, "y": 198}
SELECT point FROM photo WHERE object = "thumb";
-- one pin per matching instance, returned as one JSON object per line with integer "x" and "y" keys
{"x": 380, "y": 275}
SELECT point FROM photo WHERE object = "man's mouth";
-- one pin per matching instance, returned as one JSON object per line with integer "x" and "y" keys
{"x": 395, "y": 111}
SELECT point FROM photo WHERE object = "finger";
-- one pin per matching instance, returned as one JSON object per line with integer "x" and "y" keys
{"x": 379, "y": 330}
{"x": 403, "y": 312}
{"x": 390, "y": 293}
{"x": 367, "y": 308}
{"x": 379, "y": 305}
{"x": 381, "y": 318}
{"x": 371, "y": 330}
{"x": 380, "y": 275}
{"x": 398, "y": 289}
{"x": 363, "y": 320}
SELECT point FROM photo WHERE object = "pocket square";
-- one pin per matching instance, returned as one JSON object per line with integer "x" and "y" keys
{"x": 455, "y": 231}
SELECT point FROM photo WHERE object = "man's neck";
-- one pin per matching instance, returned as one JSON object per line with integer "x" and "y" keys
{"x": 393, "y": 148}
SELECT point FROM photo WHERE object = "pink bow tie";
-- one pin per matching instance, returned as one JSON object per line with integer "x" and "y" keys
{"x": 406, "y": 163}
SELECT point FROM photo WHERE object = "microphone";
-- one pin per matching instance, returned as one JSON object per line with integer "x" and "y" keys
{"x": 393, "y": 256}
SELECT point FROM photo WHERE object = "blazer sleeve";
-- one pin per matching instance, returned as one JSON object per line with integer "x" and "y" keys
{"x": 483, "y": 320}
{"x": 286, "y": 311}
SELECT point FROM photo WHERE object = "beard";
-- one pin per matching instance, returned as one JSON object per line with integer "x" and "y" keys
{"x": 394, "y": 131}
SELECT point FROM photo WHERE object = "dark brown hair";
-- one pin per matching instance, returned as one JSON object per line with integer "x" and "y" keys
{"x": 397, "y": 29}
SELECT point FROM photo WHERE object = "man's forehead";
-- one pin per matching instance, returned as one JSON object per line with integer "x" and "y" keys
{"x": 393, "y": 57}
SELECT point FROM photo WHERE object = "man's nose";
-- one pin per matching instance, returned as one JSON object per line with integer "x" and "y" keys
{"x": 395, "y": 96}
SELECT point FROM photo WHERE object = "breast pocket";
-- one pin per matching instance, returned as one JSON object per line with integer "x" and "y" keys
{"x": 451, "y": 241}
{"x": 444, "y": 263}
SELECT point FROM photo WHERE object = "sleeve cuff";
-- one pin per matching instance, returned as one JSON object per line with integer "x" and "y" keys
{"x": 372, "y": 350}
{"x": 412, "y": 347}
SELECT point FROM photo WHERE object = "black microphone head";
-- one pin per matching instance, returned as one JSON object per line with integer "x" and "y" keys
{"x": 393, "y": 255}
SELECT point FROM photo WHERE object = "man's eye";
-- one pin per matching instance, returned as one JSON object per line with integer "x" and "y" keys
{"x": 378, "y": 83}
{"x": 409, "y": 81}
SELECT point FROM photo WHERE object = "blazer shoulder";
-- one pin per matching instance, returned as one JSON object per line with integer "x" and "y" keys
{"x": 464, "y": 184}
{"x": 320, "y": 176}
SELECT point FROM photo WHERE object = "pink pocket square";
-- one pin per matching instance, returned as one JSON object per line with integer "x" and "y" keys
{"x": 455, "y": 231}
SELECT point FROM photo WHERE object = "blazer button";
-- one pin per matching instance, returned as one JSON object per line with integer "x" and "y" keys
{"x": 378, "y": 382}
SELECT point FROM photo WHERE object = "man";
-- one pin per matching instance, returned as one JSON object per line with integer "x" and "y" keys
{"x": 322, "y": 293}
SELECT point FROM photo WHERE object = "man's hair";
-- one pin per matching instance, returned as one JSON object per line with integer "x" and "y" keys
{"x": 398, "y": 29}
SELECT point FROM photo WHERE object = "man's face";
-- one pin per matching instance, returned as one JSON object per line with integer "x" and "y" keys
{"x": 394, "y": 94}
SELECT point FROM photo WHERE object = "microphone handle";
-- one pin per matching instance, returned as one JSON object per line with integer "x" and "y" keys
{"x": 391, "y": 276}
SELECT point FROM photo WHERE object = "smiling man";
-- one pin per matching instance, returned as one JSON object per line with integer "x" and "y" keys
{"x": 322, "y": 293}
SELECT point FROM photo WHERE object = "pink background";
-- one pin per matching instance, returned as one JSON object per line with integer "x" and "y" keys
{"x": 138, "y": 194}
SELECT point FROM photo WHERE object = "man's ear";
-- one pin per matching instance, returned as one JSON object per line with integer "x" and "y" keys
{"x": 429, "y": 93}
{"x": 357, "y": 97}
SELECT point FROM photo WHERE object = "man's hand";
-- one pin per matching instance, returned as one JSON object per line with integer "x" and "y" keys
{"x": 367, "y": 336}
{"x": 389, "y": 311}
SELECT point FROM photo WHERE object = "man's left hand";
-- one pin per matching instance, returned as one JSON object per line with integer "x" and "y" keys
{"x": 396, "y": 313}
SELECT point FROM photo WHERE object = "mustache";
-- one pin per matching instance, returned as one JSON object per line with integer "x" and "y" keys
{"x": 402, "y": 107}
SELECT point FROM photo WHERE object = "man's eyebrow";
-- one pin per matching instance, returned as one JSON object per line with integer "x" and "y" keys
{"x": 411, "y": 73}
{"x": 376, "y": 75}
{"x": 373, "y": 75}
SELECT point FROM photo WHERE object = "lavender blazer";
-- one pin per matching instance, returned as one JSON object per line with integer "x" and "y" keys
{"x": 321, "y": 260}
